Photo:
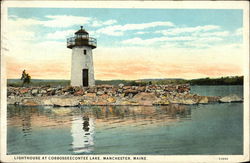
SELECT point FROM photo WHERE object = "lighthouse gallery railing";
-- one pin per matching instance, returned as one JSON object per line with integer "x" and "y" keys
{"x": 74, "y": 41}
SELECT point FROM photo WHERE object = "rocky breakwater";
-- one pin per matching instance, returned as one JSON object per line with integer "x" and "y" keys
{"x": 109, "y": 95}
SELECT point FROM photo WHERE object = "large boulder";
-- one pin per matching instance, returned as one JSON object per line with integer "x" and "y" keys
{"x": 24, "y": 90}
{"x": 120, "y": 85}
{"x": 61, "y": 101}
{"x": 231, "y": 98}
{"x": 130, "y": 91}
{"x": 34, "y": 92}
{"x": 144, "y": 98}
{"x": 29, "y": 102}
{"x": 203, "y": 100}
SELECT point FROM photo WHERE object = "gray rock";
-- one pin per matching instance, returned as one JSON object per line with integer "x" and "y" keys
{"x": 50, "y": 89}
{"x": 61, "y": 101}
{"x": 100, "y": 93}
{"x": 43, "y": 91}
{"x": 203, "y": 100}
{"x": 34, "y": 91}
{"x": 11, "y": 97}
{"x": 66, "y": 93}
{"x": 121, "y": 85}
{"x": 231, "y": 98}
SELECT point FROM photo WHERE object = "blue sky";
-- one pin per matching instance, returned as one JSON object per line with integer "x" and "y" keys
{"x": 167, "y": 34}
{"x": 228, "y": 20}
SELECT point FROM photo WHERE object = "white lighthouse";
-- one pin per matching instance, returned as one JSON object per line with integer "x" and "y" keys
{"x": 82, "y": 68}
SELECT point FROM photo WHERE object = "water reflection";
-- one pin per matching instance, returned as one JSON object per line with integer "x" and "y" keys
{"x": 82, "y": 131}
{"x": 26, "y": 124}
{"x": 82, "y": 122}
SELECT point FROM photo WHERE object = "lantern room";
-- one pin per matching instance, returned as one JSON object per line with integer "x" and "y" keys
{"x": 81, "y": 38}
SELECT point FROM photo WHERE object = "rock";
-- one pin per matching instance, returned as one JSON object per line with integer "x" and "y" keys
{"x": 12, "y": 97}
{"x": 188, "y": 102}
{"x": 127, "y": 87}
{"x": 66, "y": 93}
{"x": 231, "y": 98}
{"x": 128, "y": 91}
{"x": 179, "y": 100}
{"x": 212, "y": 99}
{"x": 50, "y": 89}
{"x": 34, "y": 91}
{"x": 130, "y": 102}
{"x": 85, "y": 102}
{"x": 53, "y": 92}
{"x": 79, "y": 93}
{"x": 100, "y": 93}
{"x": 130, "y": 95}
{"x": 25, "y": 90}
{"x": 121, "y": 85}
{"x": 104, "y": 96}
{"x": 120, "y": 90}
{"x": 92, "y": 90}
{"x": 61, "y": 101}
{"x": 29, "y": 102}
{"x": 144, "y": 98}
{"x": 141, "y": 89}
{"x": 90, "y": 95}
{"x": 203, "y": 100}
{"x": 161, "y": 102}
{"x": 111, "y": 100}
{"x": 68, "y": 89}
{"x": 43, "y": 91}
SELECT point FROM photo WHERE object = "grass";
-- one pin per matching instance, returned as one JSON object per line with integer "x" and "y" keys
{"x": 38, "y": 83}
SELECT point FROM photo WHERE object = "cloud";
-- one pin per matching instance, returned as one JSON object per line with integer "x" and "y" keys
{"x": 98, "y": 23}
{"x": 61, "y": 21}
{"x": 238, "y": 32}
{"x": 209, "y": 34}
{"x": 60, "y": 34}
{"x": 64, "y": 21}
{"x": 141, "y": 33}
{"x": 195, "y": 37}
{"x": 181, "y": 30}
{"x": 118, "y": 30}
{"x": 152, "y": 41}
{"x": 19, "y": 29}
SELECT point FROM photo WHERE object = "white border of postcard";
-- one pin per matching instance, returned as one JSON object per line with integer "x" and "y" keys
{"x": 244, "y": 5}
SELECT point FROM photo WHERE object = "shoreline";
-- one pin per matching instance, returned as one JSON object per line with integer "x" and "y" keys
{"x": 110, "y": 95}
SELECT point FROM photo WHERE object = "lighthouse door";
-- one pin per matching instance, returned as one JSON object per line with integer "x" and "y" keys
{"x": 85, "y": 77}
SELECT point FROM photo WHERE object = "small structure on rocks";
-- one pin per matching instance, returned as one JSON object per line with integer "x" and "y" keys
{"x": 82, "y": 69}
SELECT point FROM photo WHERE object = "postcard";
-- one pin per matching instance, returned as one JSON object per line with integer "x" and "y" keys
{"x": 124, "y": 81}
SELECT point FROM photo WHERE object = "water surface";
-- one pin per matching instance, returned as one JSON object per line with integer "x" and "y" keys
{"x": 159, "y": 130}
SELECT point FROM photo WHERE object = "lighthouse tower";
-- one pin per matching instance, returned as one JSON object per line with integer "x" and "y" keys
{"x": 82, "y": 68}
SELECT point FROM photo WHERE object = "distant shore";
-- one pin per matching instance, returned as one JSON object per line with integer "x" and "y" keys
{"x": 110, "y": 95}
{"x": 228, "y": 80}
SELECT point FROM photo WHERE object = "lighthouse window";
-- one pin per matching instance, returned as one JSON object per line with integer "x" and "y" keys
{"x": 84, "y": 51}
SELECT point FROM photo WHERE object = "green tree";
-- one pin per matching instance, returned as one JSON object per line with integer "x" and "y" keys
{"x": 25, "y": 77}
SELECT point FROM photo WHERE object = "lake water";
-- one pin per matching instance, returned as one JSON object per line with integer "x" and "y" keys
{"x": 159, "y": 130}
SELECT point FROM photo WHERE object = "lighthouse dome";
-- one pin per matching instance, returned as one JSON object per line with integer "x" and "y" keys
{"x": 81, "y": 32}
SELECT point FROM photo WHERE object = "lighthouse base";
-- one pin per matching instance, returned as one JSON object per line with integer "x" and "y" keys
{"x": 82, "y": 68}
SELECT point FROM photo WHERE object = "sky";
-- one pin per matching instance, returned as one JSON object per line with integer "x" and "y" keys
{"x": 132, "y": 43}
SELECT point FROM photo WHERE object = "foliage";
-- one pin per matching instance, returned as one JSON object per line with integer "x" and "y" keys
{"x": 233, "y": 80}
{"x": 25, "y": 78}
